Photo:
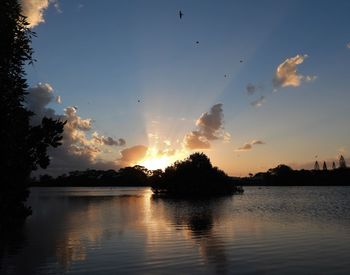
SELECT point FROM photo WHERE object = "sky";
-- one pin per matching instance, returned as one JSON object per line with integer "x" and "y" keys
{"x": 252, "y": 84}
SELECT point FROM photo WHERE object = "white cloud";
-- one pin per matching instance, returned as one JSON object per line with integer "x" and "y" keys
{"x": 58, "y": 99}
{"x": 287, "y": 75}
{"x": 209, "y": 127}
{"x": 348, "y": 45}
{"x": 80, "y": 149}
{"x": 34, "y": 10}
{"x": 310, "y": 78}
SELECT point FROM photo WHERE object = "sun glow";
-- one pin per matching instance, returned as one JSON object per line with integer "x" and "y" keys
{"x": 160, "y": 159}
{"x": 154, "y": 163}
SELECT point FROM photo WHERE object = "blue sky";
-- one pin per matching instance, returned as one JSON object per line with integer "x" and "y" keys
{"x": 105, "y": 56}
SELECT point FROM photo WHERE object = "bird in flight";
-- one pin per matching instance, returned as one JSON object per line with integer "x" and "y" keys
{"x": 180, "y": 14}
{"x": 197, "y": 42}
{"x": 241, "y": 61}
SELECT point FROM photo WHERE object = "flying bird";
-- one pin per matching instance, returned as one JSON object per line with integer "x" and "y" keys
{"x": 197, "y": 42}
{"x": 241, "y": 61}
{"x": 180, "y": 14}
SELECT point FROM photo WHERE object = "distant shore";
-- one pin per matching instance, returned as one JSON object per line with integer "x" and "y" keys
{"x": 139, "y": 176}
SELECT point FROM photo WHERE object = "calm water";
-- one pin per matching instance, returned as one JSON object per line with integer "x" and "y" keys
{"x": 267, "y": 230}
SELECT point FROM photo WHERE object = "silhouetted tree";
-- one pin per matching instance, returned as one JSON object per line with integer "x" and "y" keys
{"x": 333, "y": 165}
{"x": 133, "y": 176}
{"x": 22, "y": 147}
{"x": 342, "y": 163}
{"x": 316, "y": 166}
{"x": 280, "y": 170}
{"x": 194, "y": 176}
{"x": 324, "y": 168}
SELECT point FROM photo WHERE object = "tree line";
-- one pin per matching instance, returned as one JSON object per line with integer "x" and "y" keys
{"x": 283, "y": 175}
{"x": 194, "y": 176}
{"x": 23, "y": 146}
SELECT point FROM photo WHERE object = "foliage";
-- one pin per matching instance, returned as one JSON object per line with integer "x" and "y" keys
{"x": 127, "y": 176}
{"x": 23, "y": 147}
{"x": 283, "y": 175}
{"x": 195, "y": 176}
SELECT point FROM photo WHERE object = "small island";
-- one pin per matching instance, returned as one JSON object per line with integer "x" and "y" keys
{"x": 193, "y": 177}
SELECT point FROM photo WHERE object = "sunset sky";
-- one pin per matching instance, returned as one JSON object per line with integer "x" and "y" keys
{"x": 252, "y": 84}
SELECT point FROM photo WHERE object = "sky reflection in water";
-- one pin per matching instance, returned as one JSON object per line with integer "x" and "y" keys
{"x": 108, "y": 230}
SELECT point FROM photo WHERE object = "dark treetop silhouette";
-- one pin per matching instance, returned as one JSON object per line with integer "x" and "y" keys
{"x": 127, "y": 176}
{"x": 194, "y": 176}
{"x": 23, "y": 147}
{"x": 283, "y": 175}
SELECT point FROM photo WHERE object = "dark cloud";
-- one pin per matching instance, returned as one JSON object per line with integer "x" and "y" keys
{"x": 108, "y": 141}
{"x": 249, "y": 145}
{"x": 209, "y": 127}
{"x": 245, "y": 147}
{"x": 259, "y": 102}
{"x": 251, "y": 89}
{"x": 39, "y": 96}
{"x": 254, "y": 142}
{"x": 194, "y": 140}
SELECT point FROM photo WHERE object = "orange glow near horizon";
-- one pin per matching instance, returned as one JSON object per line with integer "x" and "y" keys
{"x": 154, "y": 163}
{"x": 160, "y": 160}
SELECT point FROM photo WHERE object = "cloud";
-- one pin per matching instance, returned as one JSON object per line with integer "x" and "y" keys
{"x": 245, "y": 147}
{"x": 109, "y": 141}
{"x": 348, "y": 45}
{"x": 133, "y": 154}
{"x": 166, "y": 152}
{"x": 227, "y": 137}
{"x": 58, "y": 99}
{"x": 209, "y": 127}
{"x": 287, "y": 75}
{"x": 257, "y": 142}
{"x": 249, "y": 145}
{"x": 251, "y": 89}
{"x": 34, "y": 10}
{"x": 80, "y": 149}
{"x": 259, "y": 102}
{"x": 194, "y": 140}
{"x": 211, "y": 122}
{"x": 39, "y": 96}
{"x": 310, "y": 78}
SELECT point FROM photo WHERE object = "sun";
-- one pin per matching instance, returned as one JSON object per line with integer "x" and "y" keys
{"x": 153, "y": 163}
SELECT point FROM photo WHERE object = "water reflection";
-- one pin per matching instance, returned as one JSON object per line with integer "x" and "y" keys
{"x": 112, "y": 230}
{"x": 197, "y": 217}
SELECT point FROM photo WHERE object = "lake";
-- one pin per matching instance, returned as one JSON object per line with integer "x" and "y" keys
{"x": 267, "y": 230}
